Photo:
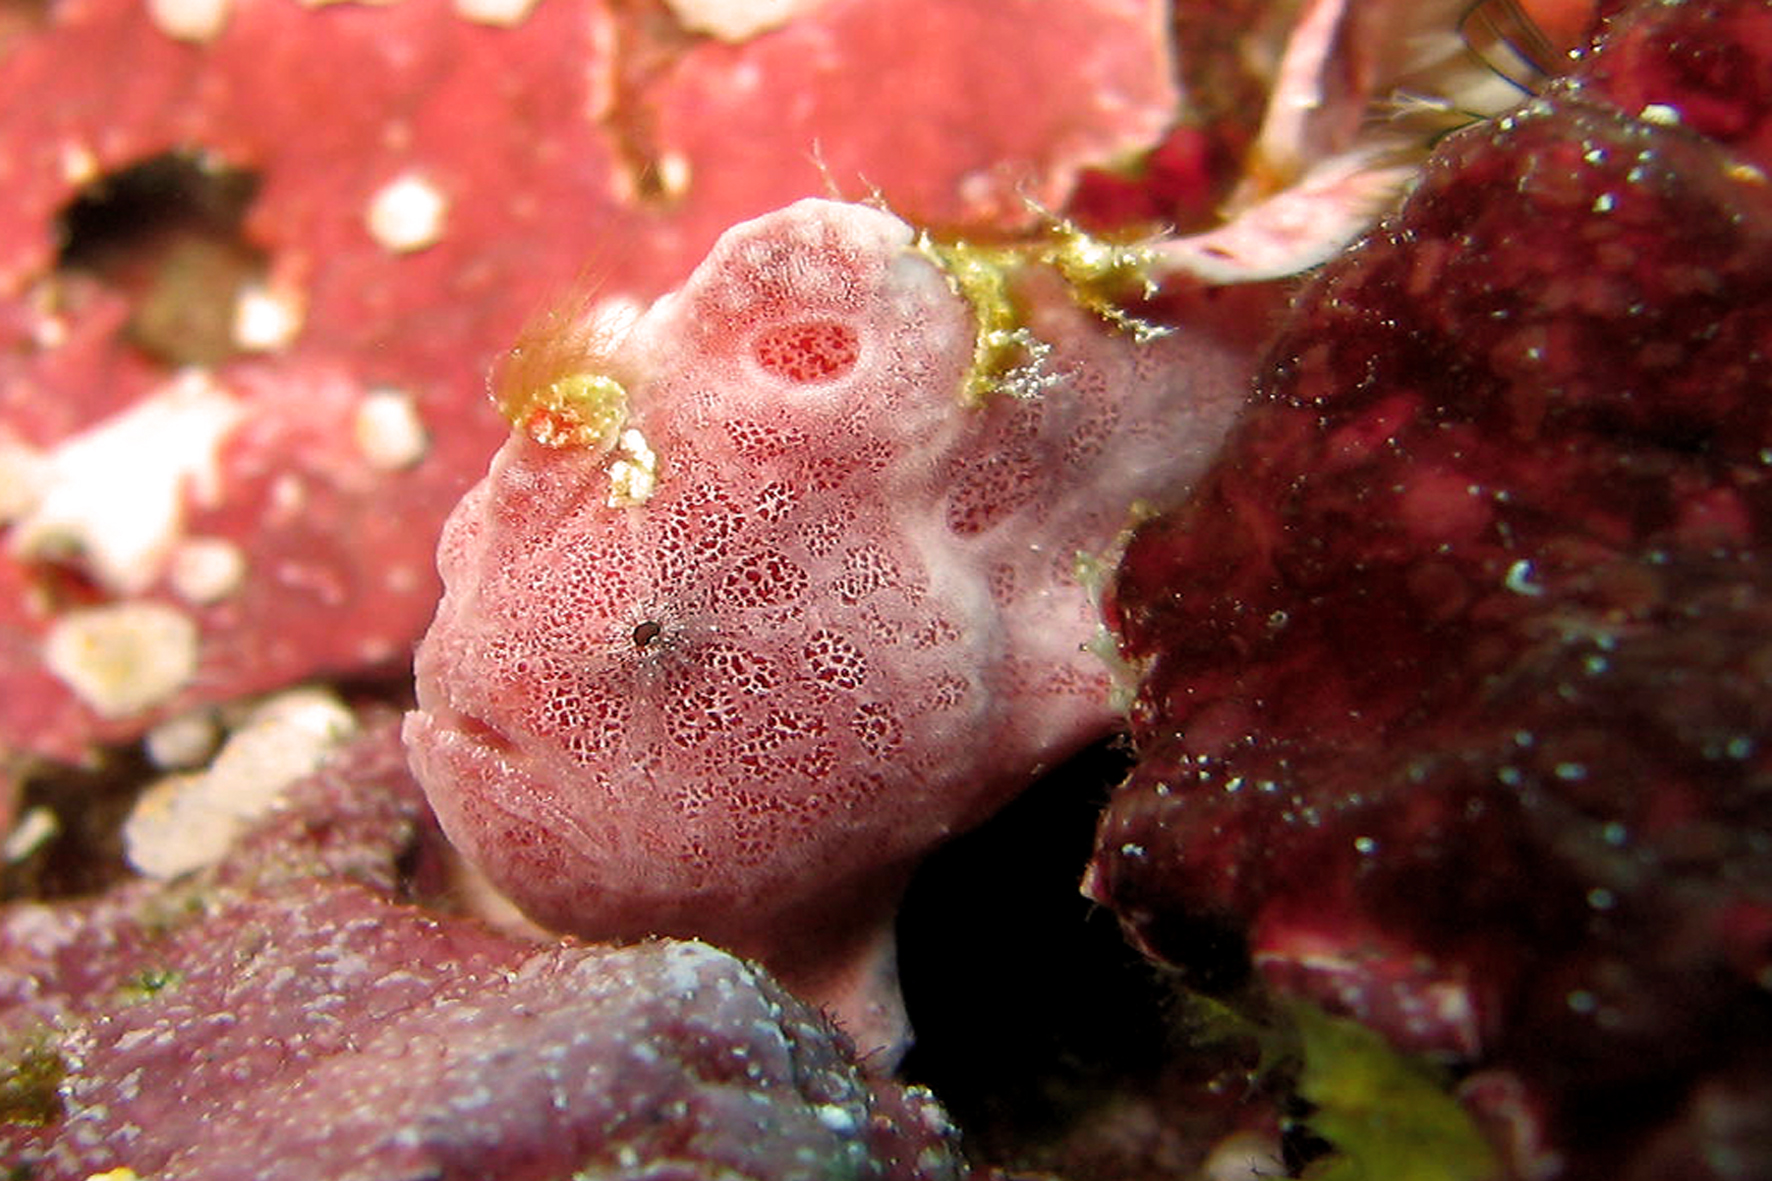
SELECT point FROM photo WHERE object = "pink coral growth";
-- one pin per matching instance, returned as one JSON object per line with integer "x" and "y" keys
{"x": 846, "y": 622}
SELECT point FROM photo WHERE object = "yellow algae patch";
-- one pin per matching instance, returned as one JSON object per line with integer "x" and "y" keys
{"x": 583, "y": 410}
{"x": 554, "y": 384}
{"x": 1007, "y": 356}
{"x": 1100, "y": 274}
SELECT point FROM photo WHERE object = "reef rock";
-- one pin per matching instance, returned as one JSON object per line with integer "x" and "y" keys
{"x": 286, "y": 1016}
{"x": 1454, "y": 712}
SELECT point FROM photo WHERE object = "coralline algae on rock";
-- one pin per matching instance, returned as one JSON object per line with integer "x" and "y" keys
{"x": 1454, "y": 713}
{"x": 283, "y": 1017}
{"x": 776, "y": 586}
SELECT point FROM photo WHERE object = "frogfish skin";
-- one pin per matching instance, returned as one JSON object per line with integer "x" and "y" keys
{"x": 775, "y": 586}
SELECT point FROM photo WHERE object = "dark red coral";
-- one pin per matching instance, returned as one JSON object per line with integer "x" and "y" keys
{"x": 1454, "y": 711}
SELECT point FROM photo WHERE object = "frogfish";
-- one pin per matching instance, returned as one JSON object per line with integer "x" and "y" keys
{"x": 782, "y": 580}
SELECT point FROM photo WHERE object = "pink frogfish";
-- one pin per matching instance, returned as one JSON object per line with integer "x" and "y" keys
{"x": 776, "y": 584}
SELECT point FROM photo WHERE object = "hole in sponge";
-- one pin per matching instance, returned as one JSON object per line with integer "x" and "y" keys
{"x": 808, "y": 351}
{"x": 167, "y": 231}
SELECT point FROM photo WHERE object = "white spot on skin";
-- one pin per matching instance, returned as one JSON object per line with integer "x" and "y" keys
{"x": 190, "y": 20}
{"x": 266, "y": 320}
{"x": 207, "y": 570}
{"x": 388, "y": 430}
{"x": 114, "y": 494}
{"x": 123, "y": 658}
{"x": 634, "y": 473}
{"x": 407, "y": 214}
{"x": 502, "y": 13}
{"x": 184, "y": 822}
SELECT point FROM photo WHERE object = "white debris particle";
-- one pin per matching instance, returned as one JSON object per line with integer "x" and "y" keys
{"x": 123, "y": 658}
{"x": 407, "y": 214}
{"x": 1660, "y": 114}
{"x": 207, "y": 570}
{"x": 187, "y": 821}
{"x": 266, "y": 319}
{"x": 738, "y": 20}
{"x": 180, "y": 743}
{"x": 503, "y": 13}
{"x": 634, "y": 473}
{"x": 35, "y": 828}
{"x": 837, "y": 1118}
{"x": 684, "y": 964}
{"x": 388, "y": 429}
{"x": 113, "y": 496}
{"x": 23, "y": 473}
{"x": 1519, "y": 579}
{"x": 190, "y": 20}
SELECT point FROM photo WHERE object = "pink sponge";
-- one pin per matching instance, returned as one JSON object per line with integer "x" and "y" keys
{"x": 764, "y": 600}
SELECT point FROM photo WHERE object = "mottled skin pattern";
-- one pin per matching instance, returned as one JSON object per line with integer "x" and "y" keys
{"x": 846, "y": 622}
{"x": 1455, "y": 711}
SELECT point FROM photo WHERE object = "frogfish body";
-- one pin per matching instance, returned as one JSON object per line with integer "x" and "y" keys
{"x": 775, "y": 587}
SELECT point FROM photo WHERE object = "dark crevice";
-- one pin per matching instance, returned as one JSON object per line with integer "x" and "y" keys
{"x": 167, "y": 232}
{"x": 1041, "y": 1030}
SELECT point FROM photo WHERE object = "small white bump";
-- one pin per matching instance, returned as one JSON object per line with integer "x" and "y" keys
{"x": 674, "y": 173}
{"x": 502, "y": 13}
{"x": 737, "y": 20}
{"x": 207, "y": 570}
{"x": 407, "y": 214}
{"x": 836, "y": 1118}
{"x": 184, "y": 741}
{"x": 190, "y": 20}
{"x": 79, "y": 165}
{"x": 266, "y": 320}
{"x": 389, "y": 432}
